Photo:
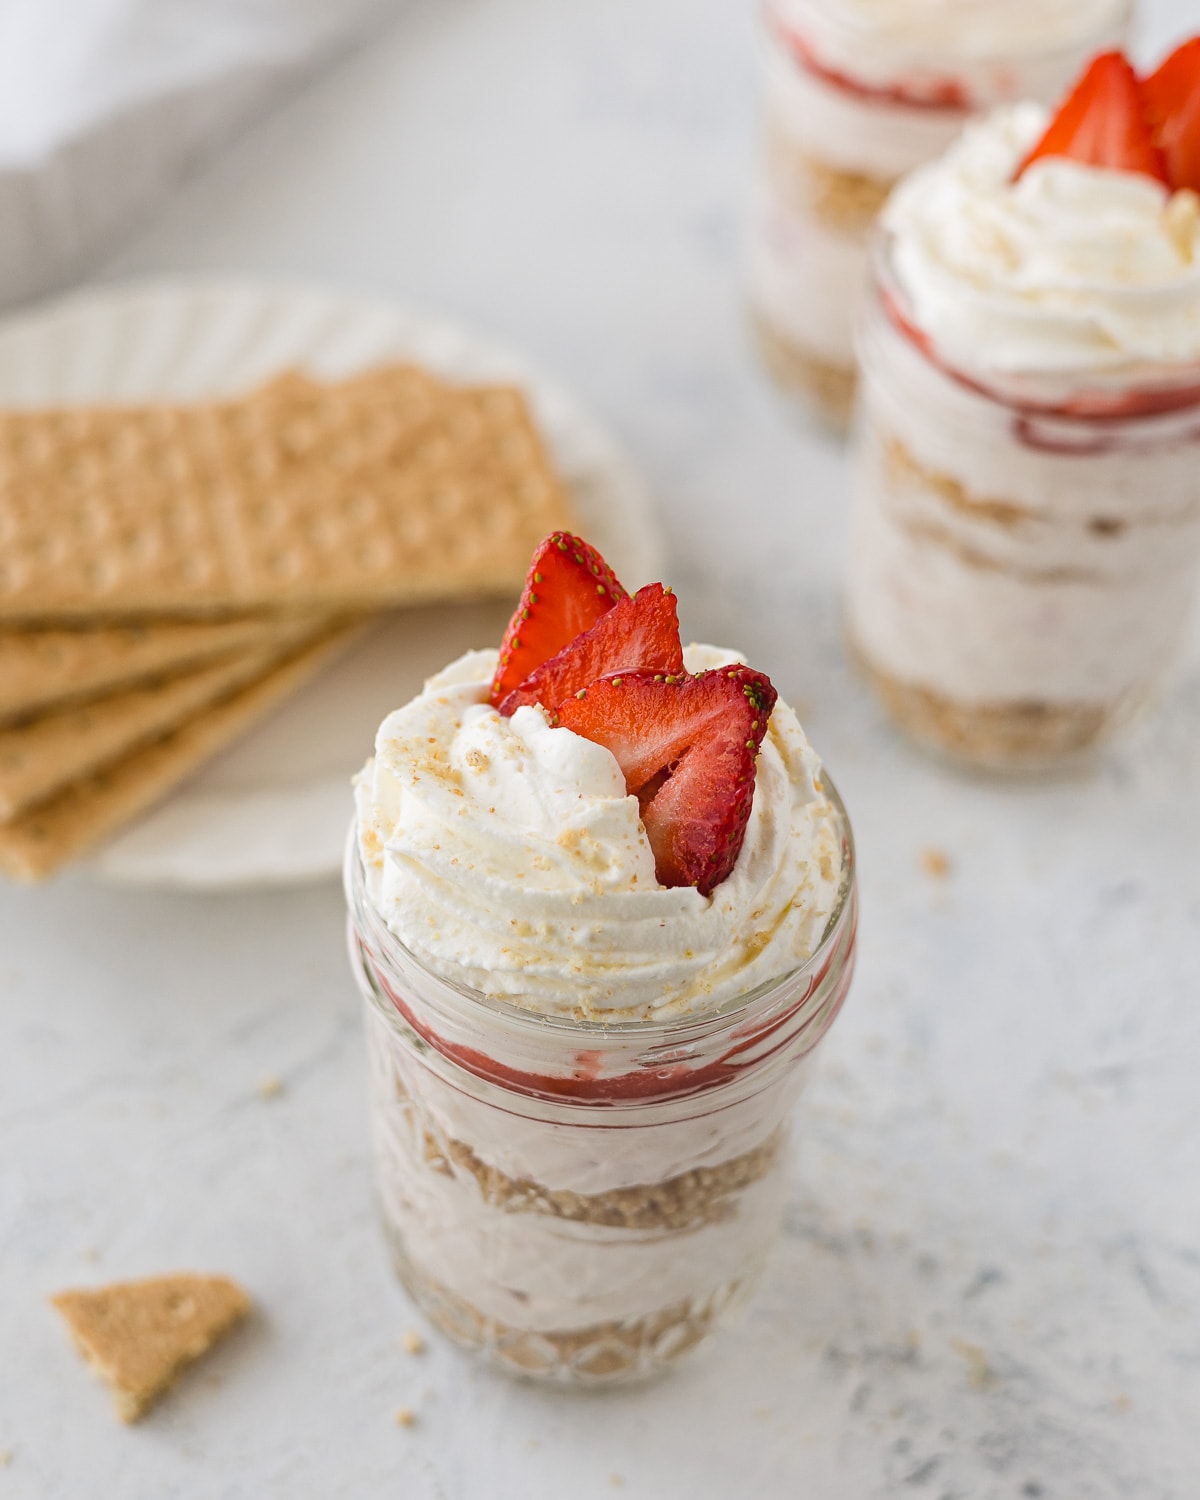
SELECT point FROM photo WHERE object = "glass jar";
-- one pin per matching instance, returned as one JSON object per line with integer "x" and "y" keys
{"x": 1024, "y": 548}
{"x": 854, "y": 99}
{"x": 582, "y": 1201}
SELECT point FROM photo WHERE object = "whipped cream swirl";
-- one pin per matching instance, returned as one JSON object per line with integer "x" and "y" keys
{"x": 1070, "y": 269}
{"x": 508, "y": 857}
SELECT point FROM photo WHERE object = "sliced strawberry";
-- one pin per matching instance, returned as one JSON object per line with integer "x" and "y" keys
{"x": 1101, "y": 123}
{"x": 568, "y": 587}
{"x": 641, "y": 631}
{"x": 687, "y": 749}
{"x": 1172, "y": 103}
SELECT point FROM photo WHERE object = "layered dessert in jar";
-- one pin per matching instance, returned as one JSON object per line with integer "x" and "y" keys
{"x": 1026, "y": 530}
{"x": 858, "y": 93}
{"x": 602, "y": 911}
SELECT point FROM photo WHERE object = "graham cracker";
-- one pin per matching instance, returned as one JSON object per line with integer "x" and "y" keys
{"x": 387, "y": 488}
{"x": 40, "y": 669}
{"x": 40, "y": 841}
{"x": 42, "y": 754}
{"x": 139, "y": 1335}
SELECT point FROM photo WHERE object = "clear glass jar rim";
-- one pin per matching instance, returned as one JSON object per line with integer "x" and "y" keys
{"x": 787, "y": 14}
{"x": 649, "y": 1030}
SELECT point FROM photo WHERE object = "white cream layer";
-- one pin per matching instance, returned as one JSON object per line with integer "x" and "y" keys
{"x": 508, "y": 857}
{"x": 1072, "y": 268}
{"x": 805, "y": 280}
{"x": 957, "y": 28}
{"x": 533, "y": 1270}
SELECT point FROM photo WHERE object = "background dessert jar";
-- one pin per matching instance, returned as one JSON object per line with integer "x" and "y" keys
{"x": 1026, "y": 526}
{"x": 582, "y": 1078}
{"x": 858, "y": 93}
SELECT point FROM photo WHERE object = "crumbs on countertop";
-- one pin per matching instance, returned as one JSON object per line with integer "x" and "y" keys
{"x": 935, "y": 862}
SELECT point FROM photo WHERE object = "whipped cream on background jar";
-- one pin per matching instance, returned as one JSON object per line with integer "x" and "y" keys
{"x": 583, "y": 1151}
{"x": 858, "y": 93}
{"x": 1025, "y": 538}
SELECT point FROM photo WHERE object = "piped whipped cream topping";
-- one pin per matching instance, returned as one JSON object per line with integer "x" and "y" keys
{"x": 508, "y": 857}
{"x": 948, "y": 29}
{"x": 1070, "y": 269}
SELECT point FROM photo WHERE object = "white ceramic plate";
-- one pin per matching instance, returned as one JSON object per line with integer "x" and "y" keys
{"x": 273, "y": 809}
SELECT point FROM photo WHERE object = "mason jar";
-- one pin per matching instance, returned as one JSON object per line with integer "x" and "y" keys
{"x": 855, "y": 96}
{"x": 1024, "y": 548}
{"x": 582, "y": 1202}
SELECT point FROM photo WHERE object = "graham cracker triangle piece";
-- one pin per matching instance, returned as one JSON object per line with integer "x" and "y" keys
{"x": 140, "y": 1334}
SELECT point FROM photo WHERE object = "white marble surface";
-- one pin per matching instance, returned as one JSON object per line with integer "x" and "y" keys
{"x": 990, "y": 1282}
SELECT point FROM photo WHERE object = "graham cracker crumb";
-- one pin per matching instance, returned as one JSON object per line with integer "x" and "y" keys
{"x": 139, "y": 1335}
{"x": 979, "y": 1369}
{"x": 1181, "y": 220}
{"x": 935, "y": 862}
{"x": 405, "y": 1417}
{"x": 270, "y": 1087}
{"x": 413, "y": 1342}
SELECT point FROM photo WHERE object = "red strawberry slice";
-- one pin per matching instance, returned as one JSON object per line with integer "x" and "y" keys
{"x": 641, "y": 631}
{"x": 568, "y": 587}
{"x": 687, "y": 750}
{"x": 1101, "y": 123}
{"x": 1172, "y": 103}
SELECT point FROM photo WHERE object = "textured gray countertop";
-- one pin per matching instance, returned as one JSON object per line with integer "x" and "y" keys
{"x": 990, "y": 1281}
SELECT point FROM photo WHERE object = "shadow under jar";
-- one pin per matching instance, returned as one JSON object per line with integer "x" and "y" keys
{"x": 582, "y": 1202}
{"x": 1024, "y": 549}
{"x": 854, "y": 98}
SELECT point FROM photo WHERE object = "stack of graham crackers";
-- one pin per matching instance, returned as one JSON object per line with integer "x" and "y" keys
{"x": 168, "y": 573}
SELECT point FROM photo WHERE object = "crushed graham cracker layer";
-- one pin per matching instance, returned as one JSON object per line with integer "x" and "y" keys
{"x": 686, "y": 1201}
{"x": 1016, "y": 736}
{"x": 827, "y": 388}
{"x": 608, "y": 1353}
{"x": 843, "y": 200}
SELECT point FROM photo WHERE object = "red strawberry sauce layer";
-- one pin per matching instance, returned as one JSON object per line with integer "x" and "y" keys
{"x": 751, "y": 1043}
{"x": 1097, "y": 408}
{"x": 936, "y": 95}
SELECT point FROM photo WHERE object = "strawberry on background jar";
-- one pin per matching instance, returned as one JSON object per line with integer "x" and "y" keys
{"x": 858, "y": 93}
{"x": 1025, "y": 537}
